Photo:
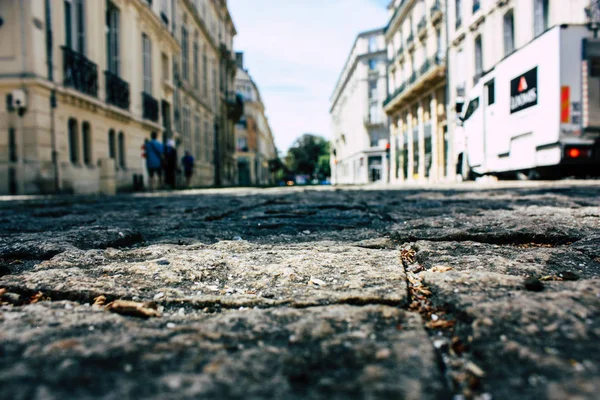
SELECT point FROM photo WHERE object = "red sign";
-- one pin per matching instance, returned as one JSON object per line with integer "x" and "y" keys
{"x": 564, "y": 104}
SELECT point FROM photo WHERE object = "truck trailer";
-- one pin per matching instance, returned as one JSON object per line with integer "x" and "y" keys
{"x": 536, "y": 114}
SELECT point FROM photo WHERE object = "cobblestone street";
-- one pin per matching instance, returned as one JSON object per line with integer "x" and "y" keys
{"x": 480, "y": 291}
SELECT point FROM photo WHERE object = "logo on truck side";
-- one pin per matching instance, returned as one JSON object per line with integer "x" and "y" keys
{"x": 523, "y": 91}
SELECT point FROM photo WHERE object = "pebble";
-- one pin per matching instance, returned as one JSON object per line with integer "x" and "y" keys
{"x": 306, "y": 232}
{"x": 159, "y": 296}
{"x": 128, "y": 368}
{"x": 238, "y": 238}
{"x": 181, "y": 311}
{"x": 170, "y": 325}
{"x": 382, "y": 354}
{"x": 534, "y": 285}
{"x": 568, "y": 276}
{"x": 68, "y": 306}
{"x": 163, "y": 262}
{"x": 434, "y": 317}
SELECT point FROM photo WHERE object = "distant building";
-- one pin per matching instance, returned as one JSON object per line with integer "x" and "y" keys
{"x": 359, "y": 125}
{"x": 255, "y": 146}
{"x": 415, "y": 38}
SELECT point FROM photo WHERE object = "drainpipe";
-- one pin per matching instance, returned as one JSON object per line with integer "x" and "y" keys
{"x": 50, "y": 60}
{"x": 449, "y": 125}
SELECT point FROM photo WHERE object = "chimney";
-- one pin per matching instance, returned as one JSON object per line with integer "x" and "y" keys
{"x": 239, "y": 58}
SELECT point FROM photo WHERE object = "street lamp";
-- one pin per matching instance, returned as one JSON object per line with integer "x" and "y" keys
{"x": 592, "y": 12}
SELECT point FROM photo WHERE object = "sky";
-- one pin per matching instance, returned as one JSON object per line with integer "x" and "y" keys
{"x": 295, "y": 51}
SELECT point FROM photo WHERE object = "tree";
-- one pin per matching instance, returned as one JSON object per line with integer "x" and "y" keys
{"x": 306, "y": 156}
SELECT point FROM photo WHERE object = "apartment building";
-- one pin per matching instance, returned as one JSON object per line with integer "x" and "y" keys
{"x": 255, "y": 145}
{"x": 201, "y": 75}
{"x": 415, "y": 37}
{"x": 85, "y": 82}
{"x": 482, "y": 33}
{"x": 359, "y": 125}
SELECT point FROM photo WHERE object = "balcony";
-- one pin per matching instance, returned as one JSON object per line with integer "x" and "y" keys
{"x": 435, "y": 12}
{"x": 401, "y": 53}
{"x": 149, "y": 107}
{"x": 235, "y": 106}
{"x": 117, "y": 91}
{"x": 422, "y": 27}
{"x": 79, "y": 73}
{"x": 392, "y": 96}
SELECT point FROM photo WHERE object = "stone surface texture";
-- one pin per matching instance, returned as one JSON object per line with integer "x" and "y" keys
{"x": 467, "y": 292}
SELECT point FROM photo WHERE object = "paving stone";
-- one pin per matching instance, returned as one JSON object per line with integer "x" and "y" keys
{"x": 540, "y": 344}
{"x": 332, "y": 352}
{"x": 226, "y": 274}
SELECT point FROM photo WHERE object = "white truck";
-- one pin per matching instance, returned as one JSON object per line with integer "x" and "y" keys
{"x": 536, "y": 114}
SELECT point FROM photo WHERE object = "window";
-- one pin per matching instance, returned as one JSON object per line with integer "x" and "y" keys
{"x": 112, "y": 38}
{"x": 165, "y": 67}
{"x": 112, "y": 144}
{"x": 164, "y": 11}
{"x": 197, "y": 136}
{"x": 372, "y": 44}
{"x": 176, "y": 110}
{"x": 185, "y": 64}
{"x": 196, "y": 61}
{"x": 242, "y": 144}
{"x": 478, "y": 58}
{"x": 458, "y": 13}
{"x": 122, "y": 152}
{"x": 205, "y": 73}
{"x": 372, "y": 64}
{"x": 207, "y": 141}
{"x": 372, "y": 90}
{"x": 476, "y": 6}
{"x": 87, "y": 144}
{"x": 214, "y": 86}
{"x": 73, "y": 141}
{"x": 186, "y": 127}
{"x": 473, "y": 106}
{"x": 75, "y": 25}
{"x": 540, "y": 15}
{"x": 491, "y": 92}
{"x": 12, "y": 145}
{"x": 438, "y": 44}
{"x": 147, "y": 63}
{"x": 509, "y": 33}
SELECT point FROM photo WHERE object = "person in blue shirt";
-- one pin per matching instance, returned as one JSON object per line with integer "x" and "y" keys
{"x": 154, "y": 159}
{"x": 188, "y": 167}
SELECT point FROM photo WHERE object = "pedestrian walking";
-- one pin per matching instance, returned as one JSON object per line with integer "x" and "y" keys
{"x": 188, "y": 167}
{"x": 154, "y": 159}
{"x": 170, "y": 164}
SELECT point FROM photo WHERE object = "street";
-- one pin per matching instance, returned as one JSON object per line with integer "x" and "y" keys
{"x": 488, "y": 291}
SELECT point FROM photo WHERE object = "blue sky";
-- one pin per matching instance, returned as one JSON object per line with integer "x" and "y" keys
{"x": 295, "y": 51}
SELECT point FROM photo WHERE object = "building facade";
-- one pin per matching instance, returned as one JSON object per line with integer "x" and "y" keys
{"x": 359, "y": 125}
{"x": 482, "y": 33}
{"x": 415, "y": 39}
{"x": 86, "y": 82}
{"x": 255, "y": 145}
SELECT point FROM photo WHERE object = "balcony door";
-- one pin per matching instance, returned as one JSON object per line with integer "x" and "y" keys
{"x": 75, "y": 25}
{"x": 112, "y": 38}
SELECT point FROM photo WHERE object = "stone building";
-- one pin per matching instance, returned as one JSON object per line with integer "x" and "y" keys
{"x": 359, "y": 126}
{"x": 483, "y": 32}
{"x": 202, "y": 76}
{"x": 84, "y": 82}
{"x": 415, "y": 38}
{"x": 255, "y": 145}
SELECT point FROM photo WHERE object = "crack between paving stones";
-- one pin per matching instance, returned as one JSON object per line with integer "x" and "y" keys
{"x": 445, "y": 354}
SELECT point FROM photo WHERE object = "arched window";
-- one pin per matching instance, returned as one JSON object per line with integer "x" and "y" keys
{"x": 73, "y": 141}
{"x": 112, "y": 144}
{"x": 87, "y": 144}
{"x": 122, "y": 154}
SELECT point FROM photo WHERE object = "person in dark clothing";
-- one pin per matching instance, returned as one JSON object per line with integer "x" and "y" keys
{"x": 170, "y": 164}
{"x": 154, "y": 152}
{"x": 188, "y": 167}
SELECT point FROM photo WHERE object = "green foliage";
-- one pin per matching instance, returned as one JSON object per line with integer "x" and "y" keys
{"x": 307, "y": 156}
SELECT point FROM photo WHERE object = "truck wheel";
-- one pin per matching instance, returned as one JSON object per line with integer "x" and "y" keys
{"x": 466, "y": 172}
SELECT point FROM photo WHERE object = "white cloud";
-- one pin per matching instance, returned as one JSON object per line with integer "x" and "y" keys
{"x": 295, "y": 51}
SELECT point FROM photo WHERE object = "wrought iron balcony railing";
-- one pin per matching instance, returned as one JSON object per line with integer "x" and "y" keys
{"x": 117, "y": 91}
{"x": 435, "y": 11}
{"x": 149, "y": 107}
{"x": 410, "y": 39}
{"x": 235, "y": 105}
{"x": 79, "y": 73}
